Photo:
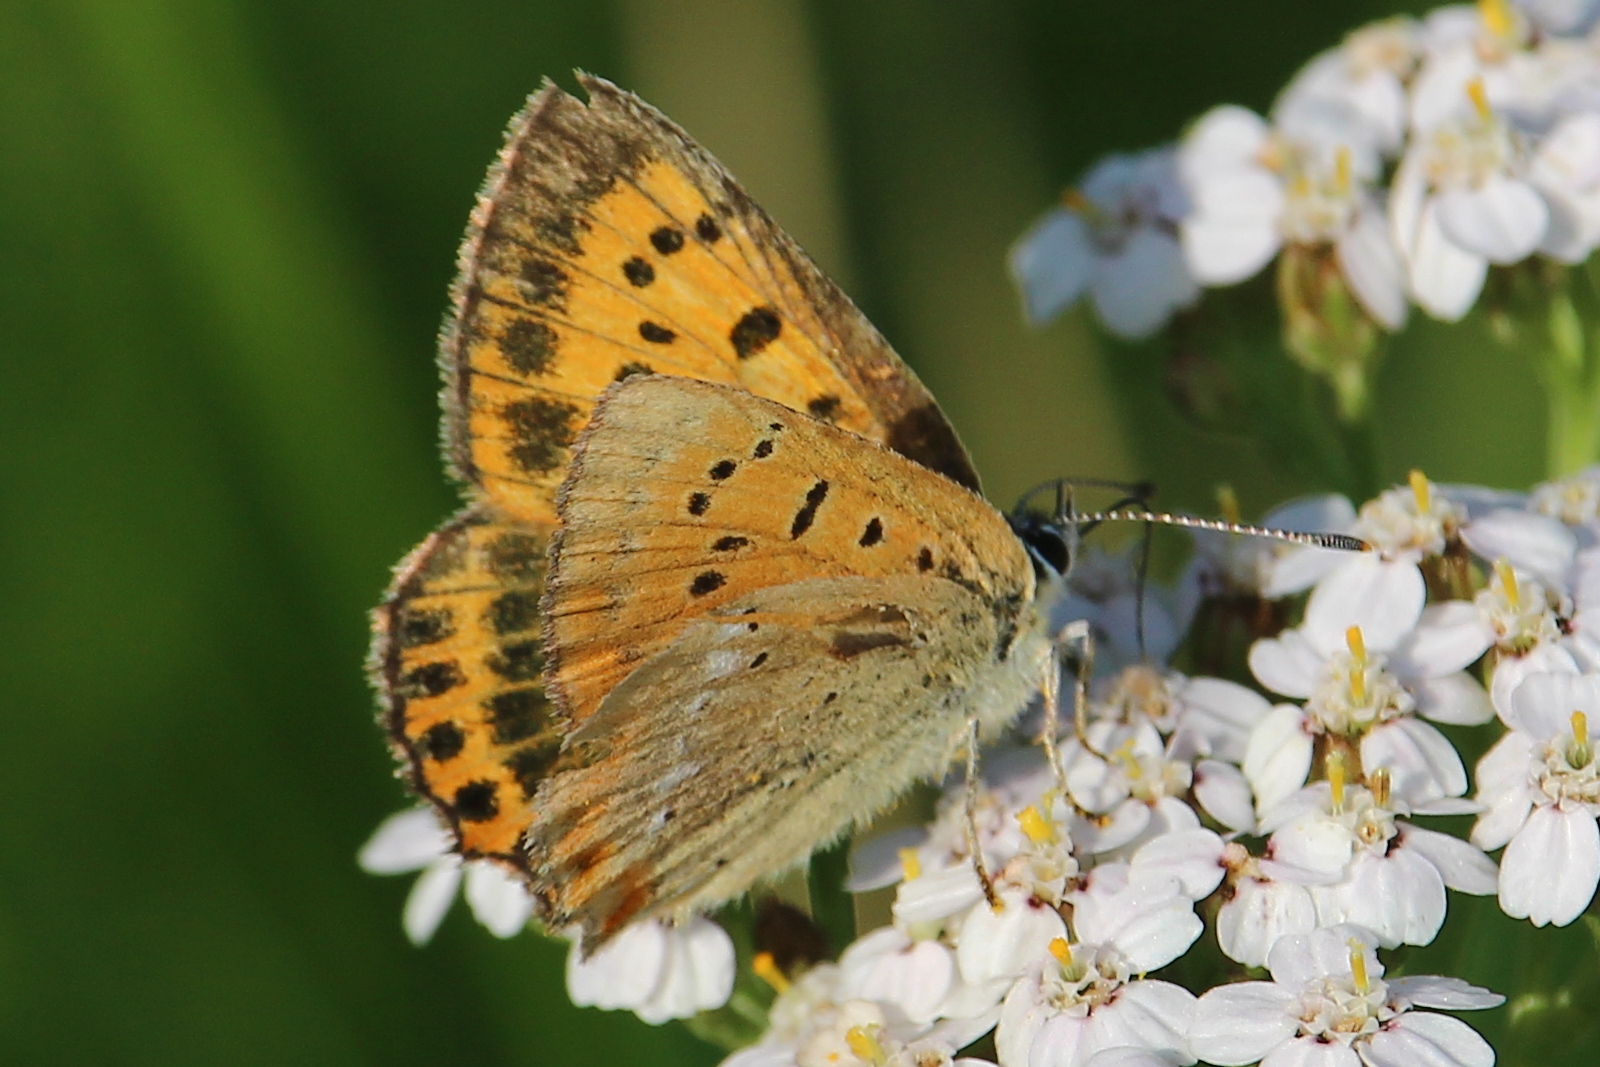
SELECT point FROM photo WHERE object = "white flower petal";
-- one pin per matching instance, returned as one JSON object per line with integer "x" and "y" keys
{"x": 1240, "y": 1023}
{"x": 1309, "y": 1052}
{"x": 1288, "y": 664}
{"x": 937, "y": 895}
{"x": 889, "y": 967}
{"x": 1433, "y": 991}
{"x": 698, "y": 975}
{"x": 1383, "y": 597}
{"x": 1373, "y": 268}
{"x": 1503, "y": 220}
{"x": 1549, "y": 871}
{"x": 1260, "y": 913}
{"x": 1156, "y": 1015}
{"x": 1278, "y": 757}
{"x": 497, "y": 898}
{"x": 1052, "y": 264}
{"x": 622, "y": 973}
{"x": 1422, "y": 763}
{"x": 1542, "y": 705}
{"x": 1223, "y": 252}
{"x": 1224, "y": 793}
{"x": 405, "y": 841}
{"x": 1423, "y": 1037}
{"x": 1399, "y": 897}
{"x": 1222, "y": 712}
{"x": 1137, "y": 289}
{"x": 1223, "y": 139}
{"x": 1511, "y": 671}
{"x": 430, "y": 898}
{"x": 1456, "y": 699}
{"x": 1445, "y": 278}
{"x": 1464, "y": 868}
{"x": 1535, "y": 544}
{"x": 999, "y": 944}
{"x": 1449, "y": 637}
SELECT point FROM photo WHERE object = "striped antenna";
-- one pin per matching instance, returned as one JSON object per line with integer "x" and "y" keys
{"x": 1344, "y": 542}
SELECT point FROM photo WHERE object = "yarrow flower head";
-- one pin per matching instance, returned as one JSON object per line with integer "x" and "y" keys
{"x": 1328, "y": 1003}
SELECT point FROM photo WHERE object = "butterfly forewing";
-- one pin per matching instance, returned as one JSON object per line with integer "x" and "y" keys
{"x": 739, "y": 591}
{"x": 608, "y": 243}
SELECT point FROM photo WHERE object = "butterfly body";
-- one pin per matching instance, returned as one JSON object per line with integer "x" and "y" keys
{"x": 724, "y": 586}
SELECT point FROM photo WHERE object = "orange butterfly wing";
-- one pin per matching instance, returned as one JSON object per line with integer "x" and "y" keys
{"x": 605, "y": 243}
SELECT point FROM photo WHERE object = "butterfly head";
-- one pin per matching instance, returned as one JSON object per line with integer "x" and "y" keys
{"x": 1051, "y": 534}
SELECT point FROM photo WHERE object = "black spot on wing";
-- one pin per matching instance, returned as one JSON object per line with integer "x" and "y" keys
{"x": 667, "y": 239}
{"x": 873, "y": 534}
{"x": 730, "y": 543}
{"x": 638, "y": 272}
{"x": 517, "y": 714}
{"x": 519, "y": 662}
{"x": 706, "y": 582}
{"x": 543, "y": 284}
{"x": 513, "y": 612}
{"x": 423, "y": 626}
{"x": 762, "y": 450}
{"x": 925, "y": 560}
{"x": 699, "y": 503}
{"x": 824, "y": 407}
{"x": 431, "y": 679}
{"x": 754, "y": 331}
{"x": 541, "y": 429}
{"x": 628, "y": 370}
{"x": 531, "y": 764}
{"x": 442, "y": 741}
{"x": 529, "y": 346}
{"x": 721, "y": 469}
{"x": 707, "y": 229}
{"x": 655, "y": 333}
{"x": 808, "y": 511}
{"x": 476, "y": 802}
{"x": 515, "y": 556}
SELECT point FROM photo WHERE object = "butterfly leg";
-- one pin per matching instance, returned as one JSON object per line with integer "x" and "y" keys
{"x": 974, "y": 843}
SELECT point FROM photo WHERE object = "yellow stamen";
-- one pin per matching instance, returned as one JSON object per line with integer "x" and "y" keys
{"x": 1380, "y": 784}
{"x": 1579, "y": 756}
{"x": 1508, "y": 583}
{"x": 1061, "y": 951}
{"x": 1228, "y": 503}
{"x": 1480, "y": 99}
{"x": 768, "y": 971}
{"x": 1497, "y": 17}
{"x": 1333, "y": 767}
{"x": 1130, "y": 762}
{"x": 1357, "y": 645}
{"x": 863, "y": 1041}
{"x": 1341, "y": 170}
{"x": 910, "y": 864}
{"x": 1358, "y": 665}
{"x": 1420, "y": 489}
{"x": 1358, "y": 966}
{"x": 1036, "y": 826}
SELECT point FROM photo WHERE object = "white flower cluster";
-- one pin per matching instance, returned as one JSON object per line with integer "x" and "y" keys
{"x": 1416, "y": 153}
{"x": 1296, "y": 820}
{"x": 1289, "y": 809}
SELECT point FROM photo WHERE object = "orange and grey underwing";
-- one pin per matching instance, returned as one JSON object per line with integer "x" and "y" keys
{"x": 723, "y": 585}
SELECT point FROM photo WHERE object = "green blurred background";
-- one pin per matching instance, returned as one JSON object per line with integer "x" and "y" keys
{"x": 226, "y": 230}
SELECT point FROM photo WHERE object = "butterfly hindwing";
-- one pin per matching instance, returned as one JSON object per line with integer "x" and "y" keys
{"x": 739, "y": 591}
{"x": 457, "y": 656}
{"x": 744, "y": 745}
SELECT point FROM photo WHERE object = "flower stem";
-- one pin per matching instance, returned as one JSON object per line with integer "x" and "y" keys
{"x": 1571, "y": 381}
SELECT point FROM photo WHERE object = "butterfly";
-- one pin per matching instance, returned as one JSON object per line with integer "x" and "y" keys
{"x": 724, "y": 585}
